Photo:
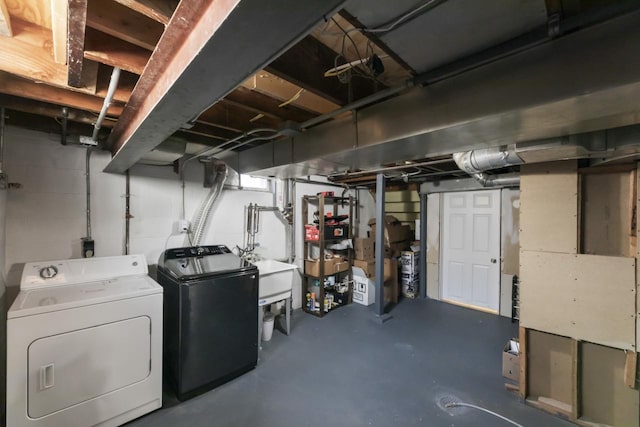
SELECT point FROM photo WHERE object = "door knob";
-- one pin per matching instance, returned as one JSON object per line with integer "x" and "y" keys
{"x": 493, "y": 260}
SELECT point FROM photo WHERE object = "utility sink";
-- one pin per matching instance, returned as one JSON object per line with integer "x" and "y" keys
{"x": 276, "y": 280}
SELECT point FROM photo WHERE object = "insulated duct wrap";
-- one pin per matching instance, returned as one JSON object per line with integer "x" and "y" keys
{"x": 478, "y": 161}
{"x": 203, "y": 214}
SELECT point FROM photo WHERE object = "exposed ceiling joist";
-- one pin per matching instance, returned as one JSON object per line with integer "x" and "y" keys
{"x": 5, "y": 20}
{"x": 202, "y": 46}
{"x": 16, "y": 86}
{"x": 28, "y": 54}
{"x": 305, "y": 64}
{"x": 158, "y": 10}
{"x": 263, "y": 104}
{"x": 50, "y": 110}
{"x": 59, "y": 29}
{"x": 121, "y": 22}
{"x": 228, "y": 116}
{"x": 114, "y": 52}
{"x": 75, "y": 48}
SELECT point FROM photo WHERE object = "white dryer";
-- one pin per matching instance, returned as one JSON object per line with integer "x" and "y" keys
{"x": 84, "y": 343}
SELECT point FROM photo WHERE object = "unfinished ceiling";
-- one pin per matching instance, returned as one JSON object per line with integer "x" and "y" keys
{"x": 235, "y": 75}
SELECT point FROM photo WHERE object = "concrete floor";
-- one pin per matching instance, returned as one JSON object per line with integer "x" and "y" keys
{"x": 346, "y": 370}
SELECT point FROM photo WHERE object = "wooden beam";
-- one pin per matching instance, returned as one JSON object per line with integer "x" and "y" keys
{"x": 158, "y": 10}
{"x": 259, "y": 103}
{"x": 286, "y": 92}
{"x": 46, "y": 109}
{"x": 28, "y": 54}
{"x": 36, "y": 12}
{"x": 522, "y": 341}
{"x": 304, "y": 65}
{"x": 630, "y": 369}
{"x": 227, "y": 116}
{"x": 59, "y": 29}
{"x": 48, "y": 124}
{"x": 194, "y": 50}
{"x": 121, "y": 22}
{"x": 75, "y": 48}
{"x": 5, "y": 20}
{"x": 112, "y": 51}
{"x": 16, "y": 86}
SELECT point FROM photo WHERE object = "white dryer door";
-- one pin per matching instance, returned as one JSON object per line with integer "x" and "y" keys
{"x": 77, "y": 366}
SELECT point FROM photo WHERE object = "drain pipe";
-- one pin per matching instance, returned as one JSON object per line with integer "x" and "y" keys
{"x": 476, "y": 162}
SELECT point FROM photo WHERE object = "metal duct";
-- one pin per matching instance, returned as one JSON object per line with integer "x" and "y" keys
{"x": 476, "y": 162}
{"x": 202, "y": 217}
{"x": 509, "y": 100}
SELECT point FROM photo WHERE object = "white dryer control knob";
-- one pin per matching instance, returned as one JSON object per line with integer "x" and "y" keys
{"x": 48, "y": 272}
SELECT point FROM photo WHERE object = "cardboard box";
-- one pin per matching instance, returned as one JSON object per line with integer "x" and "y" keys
{"x": 369, "y": 267}
{"x": 409, "y": 278}
{"x": 411, "y": 289}
{"x": 410, "y": 261}
{"x": 364, "y": 248}
{"x": 511, "y": 360}
{"x": 364, "y": 289}
{"x": 331, "y": 266}
{"x": 393, "y": 231}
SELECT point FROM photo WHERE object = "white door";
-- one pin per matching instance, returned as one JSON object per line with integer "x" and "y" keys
{"x": 471, "y": 249}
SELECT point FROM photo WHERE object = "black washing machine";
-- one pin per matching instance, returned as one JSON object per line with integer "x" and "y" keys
{"x": 210, "y": 317}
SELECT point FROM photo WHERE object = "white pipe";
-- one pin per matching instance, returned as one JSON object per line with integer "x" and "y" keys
{"x": 113, "y": 85}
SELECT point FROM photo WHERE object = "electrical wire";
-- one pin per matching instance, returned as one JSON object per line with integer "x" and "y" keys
{"x": 391, "y": 26}
{"x": 480, "y": 408}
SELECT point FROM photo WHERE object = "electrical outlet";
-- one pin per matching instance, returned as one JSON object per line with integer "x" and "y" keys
{"x": 183, "y": 226}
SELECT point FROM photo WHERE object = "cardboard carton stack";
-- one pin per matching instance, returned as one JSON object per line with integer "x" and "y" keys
{"x": 410, "y": 272}
{"x": 396, "y": 235}
{"x": 365, "y": 261}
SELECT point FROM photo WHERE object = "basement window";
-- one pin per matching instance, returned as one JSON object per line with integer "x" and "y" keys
{"x": 248, "y": 182}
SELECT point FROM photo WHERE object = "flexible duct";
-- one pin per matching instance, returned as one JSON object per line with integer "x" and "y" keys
{"x": 476, "y": 162}
{"x": 203, "y": 214}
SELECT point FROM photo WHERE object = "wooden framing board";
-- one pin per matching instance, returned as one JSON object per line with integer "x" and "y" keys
{"x": 433, "y": 228}
{"x": 59, "y": 29}
{"x": 158, "y": 10}
{"x": 605, "y": 398}
{"x": 549, "y": 207}
{"x": 5, "y": 20}
{"x": 607, "y": 213}
{"x": 524, "y": 355}
{"x": 586, "y": 297}
{"x": 549, "y": 368}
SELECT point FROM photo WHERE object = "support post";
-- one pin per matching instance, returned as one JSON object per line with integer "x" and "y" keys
{"x": 380, "y": 223}
{"x": 423, "y": 245}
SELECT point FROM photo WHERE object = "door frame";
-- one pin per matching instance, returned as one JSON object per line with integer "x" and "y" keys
{"x": 441, "y": 254}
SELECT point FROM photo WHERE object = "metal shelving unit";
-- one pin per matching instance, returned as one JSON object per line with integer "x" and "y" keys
{"x": 316, "y": 283}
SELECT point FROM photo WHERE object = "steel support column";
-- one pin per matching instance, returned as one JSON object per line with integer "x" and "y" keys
{"x": 380, "y": 223}
{"x": 423, "y": 245}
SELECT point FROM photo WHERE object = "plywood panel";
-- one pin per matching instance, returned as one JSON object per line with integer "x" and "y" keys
{"x": 549, "y": 207}
{"x": 510, "y": 231}
{"x": 433, "y": 228}
{"x": 586, "y": 297}
{"x": 605, "y": 397}
{"x": 433, "y": 281}
{"x": 606, "y": 214}
{"x": 549, "y": 365}
{"x": 506, "y": 281}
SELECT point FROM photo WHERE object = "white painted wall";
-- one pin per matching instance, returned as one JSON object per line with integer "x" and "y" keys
{"x": 46, "y": 217}
{"x": 3, "y": 317}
